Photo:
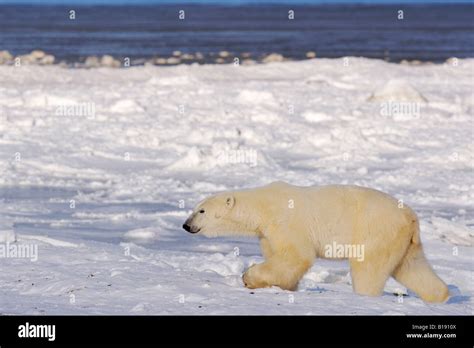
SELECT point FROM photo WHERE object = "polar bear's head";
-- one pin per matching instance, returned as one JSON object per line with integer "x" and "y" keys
{"x": 218, "y": 215}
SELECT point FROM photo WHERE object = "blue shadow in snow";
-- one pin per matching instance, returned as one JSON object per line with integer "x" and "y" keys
{"x": 318, "y": 290}
{"x": 456, "y": 296}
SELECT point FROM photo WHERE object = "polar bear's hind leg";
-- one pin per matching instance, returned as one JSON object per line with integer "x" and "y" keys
{"x": 369, "y": 280}
{"x": 383, "y": 253}
{"x": 416, "y": 274}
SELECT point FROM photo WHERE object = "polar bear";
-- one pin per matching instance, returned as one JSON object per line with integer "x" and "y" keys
{"x": 296, "y": 225}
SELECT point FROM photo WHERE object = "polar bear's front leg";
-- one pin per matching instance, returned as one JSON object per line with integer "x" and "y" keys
{"x": 266, "y": 248}
{"x": 283, "y": 269}
{"x": 253, "y": 277}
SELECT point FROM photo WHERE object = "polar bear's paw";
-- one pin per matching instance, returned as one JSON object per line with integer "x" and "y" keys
{"x": 252, "y": 278}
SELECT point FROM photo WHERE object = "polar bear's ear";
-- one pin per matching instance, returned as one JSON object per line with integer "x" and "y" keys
{"x": 229, "y": 202}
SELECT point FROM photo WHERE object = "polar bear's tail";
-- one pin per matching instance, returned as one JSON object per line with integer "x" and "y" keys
{"x": 415, "y": 272}
{"x": 414, "y": 226}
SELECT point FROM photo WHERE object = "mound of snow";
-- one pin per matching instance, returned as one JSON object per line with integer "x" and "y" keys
{"x": 399, "y": 91}
{"x": 42, "y": 99}
{"x": 7, "y": 236}
{"x": 182, "y": 80}
{"x": 192, "y": 160}
{"x": 256, "y": 97}
{"x": 312, "y": 116}
{"x": 224, "y": 265}
{"x": 455, "y": 233}
{"x": 126, "y": 106}
{"x": 48, "y": 240}
{"x": 141, "y": 234}
{"x": 220, "y": 155}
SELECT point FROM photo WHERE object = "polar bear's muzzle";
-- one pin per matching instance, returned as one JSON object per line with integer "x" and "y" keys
{"x": 188, "y": 227}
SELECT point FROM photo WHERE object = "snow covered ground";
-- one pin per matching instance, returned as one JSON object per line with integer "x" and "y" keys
{"x": 99, "y": 169}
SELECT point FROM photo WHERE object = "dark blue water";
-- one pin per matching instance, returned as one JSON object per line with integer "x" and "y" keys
{"x": 427, "y": 32}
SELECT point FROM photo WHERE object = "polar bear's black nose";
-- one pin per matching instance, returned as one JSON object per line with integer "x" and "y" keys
{"x": 187, "y": 227}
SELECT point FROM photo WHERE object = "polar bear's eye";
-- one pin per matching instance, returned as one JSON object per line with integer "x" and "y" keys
{"x": 201, "y": 211}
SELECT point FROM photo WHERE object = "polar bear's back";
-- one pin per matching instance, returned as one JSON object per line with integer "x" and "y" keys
{"x": 326, "y": 191}
{"x": 340, "y": 207}
{"x": 345, "y": 197}
{"x": 356, "y": 214}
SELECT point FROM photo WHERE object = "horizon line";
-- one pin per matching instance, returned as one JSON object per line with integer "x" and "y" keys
{"x": 231, "y": 2}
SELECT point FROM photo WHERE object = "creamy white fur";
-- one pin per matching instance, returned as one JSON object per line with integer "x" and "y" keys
{"x": 295, "y": 224}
